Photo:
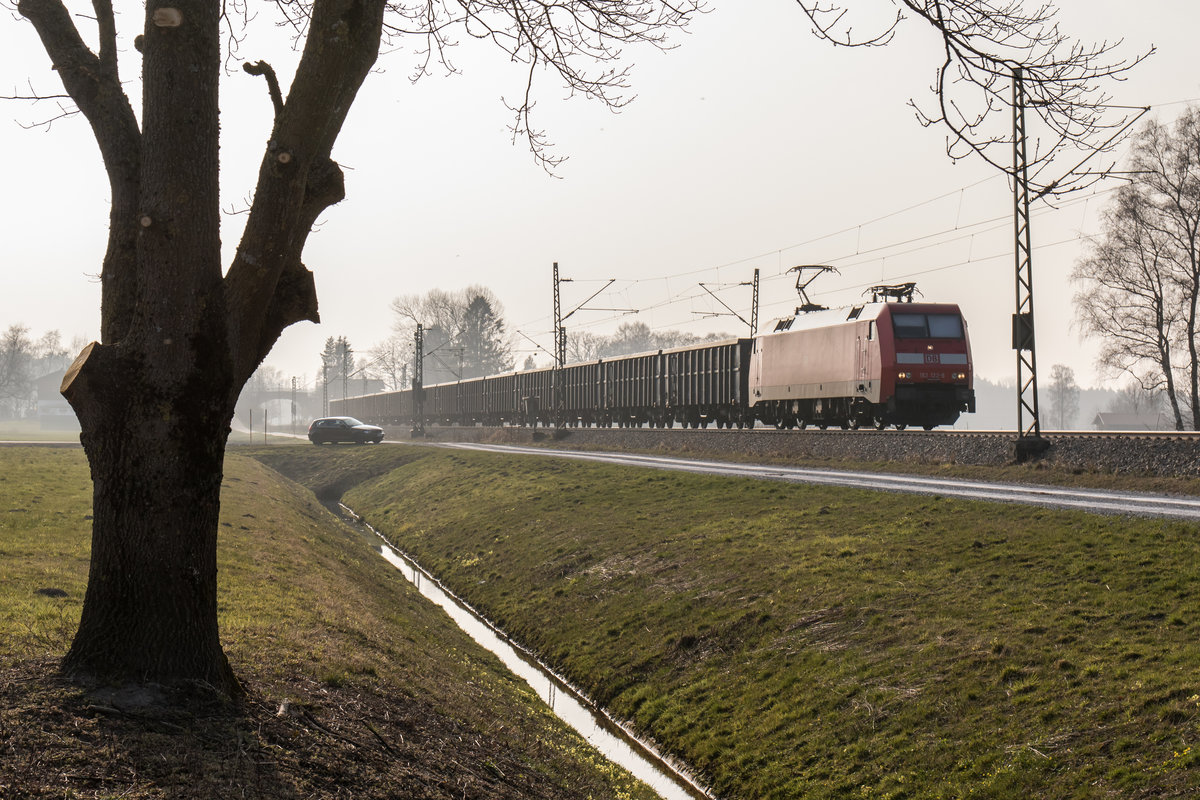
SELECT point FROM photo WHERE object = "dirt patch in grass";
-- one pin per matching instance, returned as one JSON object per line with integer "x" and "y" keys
{"x": 59, "y": 741}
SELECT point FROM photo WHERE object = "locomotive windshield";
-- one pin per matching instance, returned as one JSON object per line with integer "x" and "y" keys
{"x": 927, "y": 326}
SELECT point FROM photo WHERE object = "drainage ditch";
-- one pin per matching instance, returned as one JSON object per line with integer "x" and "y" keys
{"x": 670, "y": 780}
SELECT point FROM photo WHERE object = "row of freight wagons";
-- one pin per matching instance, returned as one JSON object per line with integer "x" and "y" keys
{"x": 691, "y": 385}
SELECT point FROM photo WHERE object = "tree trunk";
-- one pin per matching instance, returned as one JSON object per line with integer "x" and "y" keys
{"x": 178, "y": 338}
{"x": 156, "y": 456}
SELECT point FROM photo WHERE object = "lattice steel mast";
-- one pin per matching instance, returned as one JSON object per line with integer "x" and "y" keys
{"x": 418, "y": 383}
{"x": 1029, "y": 430}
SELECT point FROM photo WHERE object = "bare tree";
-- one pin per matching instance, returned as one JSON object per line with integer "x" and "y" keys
{"x": 1135, "y": 398}
{"x": 1141, "y": 279}
{"x": 584, "y": 346}
{"x": 180, "y": 335}
{"x": 391, "y": 360}
{"x": 1166, "y": 164}
{"x": 16, "y": 370}
{"x": 465, "y": 331}
{"x": 983, "y": 43}
{"x": 1063, "y": 396}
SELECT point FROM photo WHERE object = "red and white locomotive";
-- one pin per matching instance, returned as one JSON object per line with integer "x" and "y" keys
{"x": 880, "y": 364}
{"x": 884, "y": 363}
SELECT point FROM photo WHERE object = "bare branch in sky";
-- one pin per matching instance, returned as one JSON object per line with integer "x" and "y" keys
{"x": 983, "y": 43}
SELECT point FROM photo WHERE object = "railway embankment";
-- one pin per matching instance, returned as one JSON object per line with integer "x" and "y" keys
{"x": 1164, "y": 455}
{"x": 807, "y": 641}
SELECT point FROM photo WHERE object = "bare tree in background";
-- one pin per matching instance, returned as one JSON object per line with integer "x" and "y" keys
{"x": 1063, "y": 397}
{"x": 23, "y": 361}
{"x": 584, "y": 346}
{"x": 16, "y": 370}
{"x": 1129, "y": 300}
{"x": 391, "y": 360}
{"x": 465, "y": 331}
{"x": 1141, "y": 281}
{"x": 1135, "y": 398}
{"x": 983, "y": 42}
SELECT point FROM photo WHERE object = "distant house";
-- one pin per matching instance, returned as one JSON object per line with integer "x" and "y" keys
{"x": 53, "y": 411}
{"x": 1114, "y": 421}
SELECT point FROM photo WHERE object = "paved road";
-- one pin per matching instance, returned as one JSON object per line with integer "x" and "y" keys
{"x": 1094, "y": 500}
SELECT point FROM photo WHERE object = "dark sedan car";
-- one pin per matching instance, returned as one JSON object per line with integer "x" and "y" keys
{"x": 343, "y": 429}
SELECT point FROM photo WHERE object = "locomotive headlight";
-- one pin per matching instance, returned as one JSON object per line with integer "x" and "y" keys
{"x": 904, "y": 376}
{"x": 960, "y": 376}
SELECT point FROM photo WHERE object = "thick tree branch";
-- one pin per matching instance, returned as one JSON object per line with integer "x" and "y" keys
{"x": 107, "y": 28}
{"x": 268, "y": 72}
{"x": 298, "y": 179}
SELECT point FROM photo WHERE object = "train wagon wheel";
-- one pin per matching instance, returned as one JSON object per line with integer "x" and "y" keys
{"x": 880, "y": 424}
{"x": 901, "y": 426}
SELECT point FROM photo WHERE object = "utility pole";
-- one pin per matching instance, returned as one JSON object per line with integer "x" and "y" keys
{"x": 560, "y": 352}
{"x": 753, "y": 322}
{"x": 754, "y": 308}
{"x": 1030, "y": 443}
{"x": 418, "y": 384}
{"x": 344, "y": 346}
{"x": 560, "y": 339}
{"x": 324, "y": 388}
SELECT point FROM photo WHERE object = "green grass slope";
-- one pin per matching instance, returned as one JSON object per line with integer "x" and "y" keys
{"x": 796, "y": 641}
{"x": 357, "y": 686}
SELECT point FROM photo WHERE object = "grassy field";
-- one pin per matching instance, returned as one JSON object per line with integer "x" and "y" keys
{"x": 357, "y": 687}
{"x": 795, "y": 641}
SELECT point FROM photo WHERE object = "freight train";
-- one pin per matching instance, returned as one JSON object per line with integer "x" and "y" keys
{"x": 876, "y": 364}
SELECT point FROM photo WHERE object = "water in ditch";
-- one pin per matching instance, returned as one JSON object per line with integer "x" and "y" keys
{"x": 603, "y": 733}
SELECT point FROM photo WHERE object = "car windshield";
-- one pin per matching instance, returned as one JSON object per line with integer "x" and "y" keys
{"x": 927, "y": 326}
{"x": 351, "y": 421}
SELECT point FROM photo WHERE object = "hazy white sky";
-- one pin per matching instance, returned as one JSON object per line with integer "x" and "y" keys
{"x": 751, "y": 144}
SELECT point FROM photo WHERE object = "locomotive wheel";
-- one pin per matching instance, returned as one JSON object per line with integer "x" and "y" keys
{"x": 880, "y": 425}
{"x": 800, "y": 423}
{"x": 854, "y": 424}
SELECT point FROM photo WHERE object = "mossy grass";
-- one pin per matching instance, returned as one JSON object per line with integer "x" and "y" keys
{"x": 799, "y": 641}
{"x": 356, "y": 686}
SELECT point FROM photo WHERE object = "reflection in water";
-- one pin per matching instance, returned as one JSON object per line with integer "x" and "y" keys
{"x": 607, "y": 736}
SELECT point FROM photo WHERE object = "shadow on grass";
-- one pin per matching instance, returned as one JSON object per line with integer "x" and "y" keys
{"x": 59, "y": 737}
